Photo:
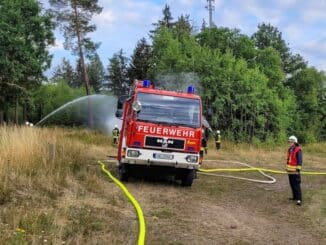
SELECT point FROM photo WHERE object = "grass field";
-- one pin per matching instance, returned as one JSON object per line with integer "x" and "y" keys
{"x": 53, "y": 191}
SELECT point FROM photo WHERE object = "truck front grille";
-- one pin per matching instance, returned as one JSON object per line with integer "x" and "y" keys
{"x": 166, "y": 143}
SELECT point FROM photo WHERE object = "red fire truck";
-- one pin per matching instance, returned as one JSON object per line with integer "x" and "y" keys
{"x": 162, "y": 130}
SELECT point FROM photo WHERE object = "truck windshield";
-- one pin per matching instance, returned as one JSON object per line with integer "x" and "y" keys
{"x": 169, "y": 110}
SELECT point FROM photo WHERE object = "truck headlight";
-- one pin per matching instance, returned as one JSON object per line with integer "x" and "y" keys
{"x": 192, "y": 158}
{"x": 133, "y": 153}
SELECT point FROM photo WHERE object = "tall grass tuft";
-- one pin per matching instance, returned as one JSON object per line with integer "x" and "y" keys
{"x": 23, "y": 147}
{"x": 40, "y": 159}
{"x": 45, "y": 167}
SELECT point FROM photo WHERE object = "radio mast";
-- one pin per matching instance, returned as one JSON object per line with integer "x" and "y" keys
{"x": 210, "y": 8}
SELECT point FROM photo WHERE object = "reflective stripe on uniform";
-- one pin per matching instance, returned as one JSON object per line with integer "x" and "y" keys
{"x": 292, "y": 168}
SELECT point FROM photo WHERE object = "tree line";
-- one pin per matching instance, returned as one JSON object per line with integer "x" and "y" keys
{"x": 254, "y": 88}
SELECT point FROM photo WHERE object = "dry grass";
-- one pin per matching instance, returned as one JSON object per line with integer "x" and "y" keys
{"x": 264, "y": 156}
{"x": 52, "y": 190}
{"x": 45, "y": 175}
{"x": 22, "y": 147}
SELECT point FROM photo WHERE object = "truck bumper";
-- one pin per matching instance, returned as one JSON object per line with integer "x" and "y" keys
{"x": 159, "y": 158}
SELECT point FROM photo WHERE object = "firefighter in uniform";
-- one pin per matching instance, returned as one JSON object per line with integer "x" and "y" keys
{"x": 204, "y": 140}
{"x": 293, "y": 167}
{"x": 115, "y": 135}
{"x": 218, "y": 139}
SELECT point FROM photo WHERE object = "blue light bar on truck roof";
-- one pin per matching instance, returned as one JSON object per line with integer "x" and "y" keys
{"x": 191, "y": 89}
{"x": 146, "y": 83}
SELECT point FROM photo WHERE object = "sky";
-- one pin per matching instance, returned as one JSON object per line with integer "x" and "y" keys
{"x": 122, "y": 23}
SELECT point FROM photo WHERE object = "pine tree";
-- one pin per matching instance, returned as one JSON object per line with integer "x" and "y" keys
{"x": 66, "y": 72}
{"x": 118, "y": 73}
{"x": 140, "y": 61}
{"x": 167, "y": 17}
{"x": 269, "y": 36}
{"x": 79, "y": 73}
{"x": 203, "y": 25}
{"x": 96, "y": 73}
{"x": 182, "y": 27}
{"x": 75, "y": 17}
{"x": 165, "y": 22}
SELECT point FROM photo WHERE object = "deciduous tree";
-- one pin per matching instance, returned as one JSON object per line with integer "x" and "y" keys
{"x": 25, "y": 35}
{"x": 226, "y": 39}
{"x": 309, "y": 88}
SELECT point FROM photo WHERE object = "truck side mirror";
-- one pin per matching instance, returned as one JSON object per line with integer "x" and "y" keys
{"x": 136, "y": 106}
{"x": 119, "y": 113}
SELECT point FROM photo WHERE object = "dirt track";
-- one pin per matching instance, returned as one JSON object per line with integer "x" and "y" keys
{"x": 218, "y": 210}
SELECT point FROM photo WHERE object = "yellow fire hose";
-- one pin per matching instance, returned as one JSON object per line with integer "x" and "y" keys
{"x": 248, "y": 167}
{"x": 141, "y": 219}
{"x": 256, "y": 169}
{"x": 251, "y": 168}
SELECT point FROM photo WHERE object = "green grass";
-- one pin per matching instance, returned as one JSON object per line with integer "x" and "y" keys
{"x": 90, "y": 137}
{"x": 54, "y": 190}
{"x": 316, "y": 148}
{"x": 163, "y": 212}
{"x": 81, "y": 220}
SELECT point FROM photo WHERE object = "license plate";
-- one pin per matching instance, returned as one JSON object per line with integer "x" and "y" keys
{"x": 163, "y": 156}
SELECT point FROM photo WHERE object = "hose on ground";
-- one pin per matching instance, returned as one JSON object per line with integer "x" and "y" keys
{"x": 141, "y": 219}
{"x": 250, "y": 168}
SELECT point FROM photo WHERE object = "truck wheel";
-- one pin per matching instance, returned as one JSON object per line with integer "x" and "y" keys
{"x": 188, "y": 177}
{"x": 123, "y": 172}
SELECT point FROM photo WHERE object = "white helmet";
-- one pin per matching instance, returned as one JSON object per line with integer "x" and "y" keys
{"x": 218, "y": 131}
{"x": 115, "y": 126}
{"x": 293, "y": 139}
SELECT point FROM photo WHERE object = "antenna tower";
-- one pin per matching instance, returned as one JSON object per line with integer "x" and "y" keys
{"x": 210, "y": 8}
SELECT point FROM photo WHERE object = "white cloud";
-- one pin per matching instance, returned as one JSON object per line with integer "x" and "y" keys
{"x": 264, "y": 13}
{"x": 187, "y": 2}
{"x": 104, "y": 19}
{"x": 132, "y": 17}
{"x": 217, "y": 3}
{"x": 229, "y": 17}
{"x": 293, "y": 32}
{"x": 286, "y": 3}
{"x": 320, "y": 64}
{"x": 58, "y": 46}
{"x": 184, "y": 3}
{"x": 313, "y": 51}
{"x": 312, "y": 11}
{"x": 315, "y": 47}
{"x": 129, "y": 11}
{"x": 313, "y": 15}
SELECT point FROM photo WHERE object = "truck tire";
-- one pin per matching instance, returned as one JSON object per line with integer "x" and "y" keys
{"x": 123, "y": 171}
{"x": 188, "y": 177}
